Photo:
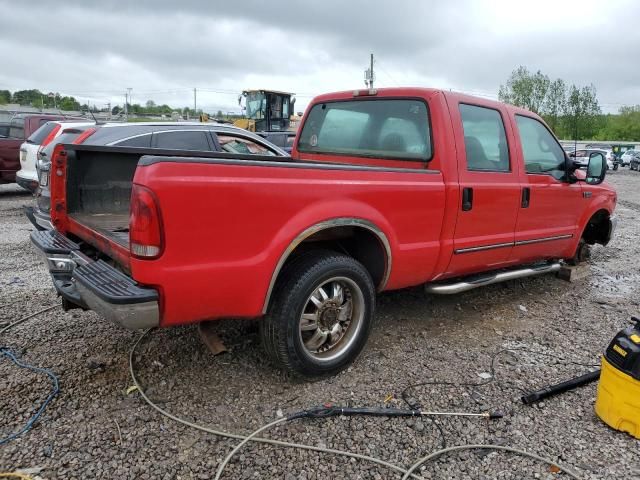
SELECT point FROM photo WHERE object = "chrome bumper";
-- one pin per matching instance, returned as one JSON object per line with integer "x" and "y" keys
{"x": 96, "y": 285}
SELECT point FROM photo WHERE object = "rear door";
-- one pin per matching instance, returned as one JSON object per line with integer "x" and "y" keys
{"x": 489, "y": 188}
{"x": 547, "y": 222}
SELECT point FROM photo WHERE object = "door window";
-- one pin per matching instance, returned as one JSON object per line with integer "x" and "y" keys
{"x": 541, "y": 151}
{"x": 231, "y": 144}
{"x": 183, "y": 140}
{"x": 485, "y": 140}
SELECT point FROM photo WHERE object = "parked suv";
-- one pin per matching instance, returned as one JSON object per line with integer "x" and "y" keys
{"x": 21, "y": 127}
{"x": 626, "y": 157}
{"x": 634, "y": 163}
{"x": 27, "y": 176}
{"x": 208, "y": 137}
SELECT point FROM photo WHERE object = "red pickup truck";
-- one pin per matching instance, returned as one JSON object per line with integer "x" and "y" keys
{"x": 385, "y": 189}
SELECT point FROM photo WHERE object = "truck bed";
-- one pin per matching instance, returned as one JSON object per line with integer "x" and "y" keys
{"x": 114, "y": 226}
{"x": 99, "y": 182}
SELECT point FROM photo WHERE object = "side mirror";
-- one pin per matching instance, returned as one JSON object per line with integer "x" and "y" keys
{"x": 596, "y": 169}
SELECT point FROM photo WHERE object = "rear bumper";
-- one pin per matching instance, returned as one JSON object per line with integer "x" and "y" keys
{"x": 27, "y": 183}
{"x": 96, "y": 285}
{"x": 39, "y": 219}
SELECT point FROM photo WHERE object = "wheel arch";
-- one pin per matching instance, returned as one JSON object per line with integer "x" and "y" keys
{"x": 598, "y": 227}
{"x": 330, "y": 232}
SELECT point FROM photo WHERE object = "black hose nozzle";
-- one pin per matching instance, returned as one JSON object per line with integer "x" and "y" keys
{"x": 558, "y": 388}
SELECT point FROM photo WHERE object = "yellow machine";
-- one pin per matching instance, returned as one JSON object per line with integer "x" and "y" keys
{"x": 266, "y": 110}
{"x": 618, "y": 401}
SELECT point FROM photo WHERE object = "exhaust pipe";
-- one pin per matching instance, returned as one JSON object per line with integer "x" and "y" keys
{"x": 481, "y": 281}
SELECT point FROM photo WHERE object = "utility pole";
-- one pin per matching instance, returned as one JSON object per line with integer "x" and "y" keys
{"x": 195, "y": 105}
{"x": 371, "y": 79}
{"x": 369, "y": 75}
{"x": 126, "y": 110}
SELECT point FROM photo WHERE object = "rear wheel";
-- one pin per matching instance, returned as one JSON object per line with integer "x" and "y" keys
{"x": 321, "y": 314}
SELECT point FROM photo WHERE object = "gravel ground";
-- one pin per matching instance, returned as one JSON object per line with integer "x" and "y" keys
{"x": 95, "y": 429}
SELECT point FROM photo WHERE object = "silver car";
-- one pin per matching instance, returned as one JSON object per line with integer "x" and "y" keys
{"x": 627, "y": 156}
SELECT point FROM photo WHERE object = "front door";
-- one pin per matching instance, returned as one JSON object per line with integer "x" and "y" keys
{"x": 489, "y": 189}
{"x": 548, "y": 221}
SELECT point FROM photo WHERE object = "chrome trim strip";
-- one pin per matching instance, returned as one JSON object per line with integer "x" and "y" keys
{"x": 336, "y": 222}
{"x": 544, "y": 239}
{"x": 511, "y": 244}
{"x": 482, "y": 248}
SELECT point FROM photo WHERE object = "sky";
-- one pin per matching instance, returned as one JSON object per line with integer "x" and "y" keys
{"x": 162, "y": 50}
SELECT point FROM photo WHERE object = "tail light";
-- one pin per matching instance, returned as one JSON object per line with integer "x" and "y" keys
{"x": 84, "y": 135}
{"x": 145, "y": 224}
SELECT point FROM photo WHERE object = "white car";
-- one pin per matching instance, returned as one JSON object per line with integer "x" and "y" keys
{"x": 626, "y": 157}
{"x": 582, "y": 157}
{"x": 27, "y": 176}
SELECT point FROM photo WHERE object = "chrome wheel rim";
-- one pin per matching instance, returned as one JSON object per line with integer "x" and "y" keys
{"x": 331, "y": 318}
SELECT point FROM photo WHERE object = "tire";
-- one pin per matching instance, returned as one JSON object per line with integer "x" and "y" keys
{"x": 313, "y": 334}
{"x": 615, "y": 166}
{"x": 583, "y": 252}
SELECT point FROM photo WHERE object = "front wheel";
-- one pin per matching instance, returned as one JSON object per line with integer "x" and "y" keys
{"x": 615, "y": 166}
{"x": 321, "y": 314}
{"x": 583, "y": 252}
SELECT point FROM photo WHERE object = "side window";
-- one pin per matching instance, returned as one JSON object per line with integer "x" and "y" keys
{"x": 16, "y": 128}
{"x": 485, "y": 140}
{"x": 541, "y": 151}
{"x": 379, "y": 128}
{"x": 183, "y": 140}
{"x": 140, "y": 141}
{"x": 231, "y": 144}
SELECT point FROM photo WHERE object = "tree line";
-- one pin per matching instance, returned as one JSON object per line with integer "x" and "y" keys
{"x": 36, "y": 98}
{"x": 572, "y": 112}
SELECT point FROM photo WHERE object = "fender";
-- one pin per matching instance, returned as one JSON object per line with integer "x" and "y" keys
{"x": 603, "y": 200}
{"x": 325, "y": 223}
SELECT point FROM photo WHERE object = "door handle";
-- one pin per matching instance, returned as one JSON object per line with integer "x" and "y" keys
{"x": 526, "y": 197}
{"x": 467, "y": 199}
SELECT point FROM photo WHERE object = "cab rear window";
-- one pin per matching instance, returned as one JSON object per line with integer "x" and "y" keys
{"x": 380, "y": 128}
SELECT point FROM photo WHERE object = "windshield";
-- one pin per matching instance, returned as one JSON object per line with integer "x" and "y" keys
{"x": 256, "y": 103}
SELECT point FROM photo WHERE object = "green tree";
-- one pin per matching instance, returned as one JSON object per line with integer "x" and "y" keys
{"x": 116, "y": 110}
{"x": 555, "y": 104}
{"x": 525, "y": 89}
{"x": 69, "y": 103}
{"x": 28, "y": 97}
{"x": 623, "y": 127}
{"x": 582, "y": 113}
{"x": 5, "y": 96}
{"x": 570, "y": 111}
